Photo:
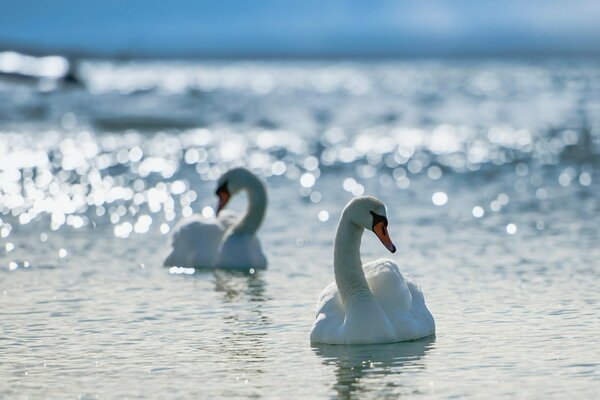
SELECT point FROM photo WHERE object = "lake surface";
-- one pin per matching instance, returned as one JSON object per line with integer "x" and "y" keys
{"x": 490, "y": 172}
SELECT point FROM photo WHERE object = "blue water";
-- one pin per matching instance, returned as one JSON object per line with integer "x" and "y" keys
{"x": 489, "y": 170}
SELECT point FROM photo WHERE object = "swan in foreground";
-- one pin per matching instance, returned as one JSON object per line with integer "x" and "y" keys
{"x": 371, "y": 303}
{"x": 227, "y": 241}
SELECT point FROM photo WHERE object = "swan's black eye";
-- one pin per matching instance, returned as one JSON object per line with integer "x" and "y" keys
{"x": 377, "y": 219}
{"x": 222, "y": 189}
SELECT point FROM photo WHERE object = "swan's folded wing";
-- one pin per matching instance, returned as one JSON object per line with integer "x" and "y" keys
{"x": 401, "y": 299}
{"x": 388, "y": 285}
{"x": 239, "y": 251}
{"x": 330, "y": 316}
{"x": 330, "y": 302}
{"x": 419, "y": 309}
{"x": 195, "y": 243}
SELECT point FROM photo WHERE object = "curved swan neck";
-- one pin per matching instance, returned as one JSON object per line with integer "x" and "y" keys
{"x": 257, "y": 204}
{"x": 347, "y": 265}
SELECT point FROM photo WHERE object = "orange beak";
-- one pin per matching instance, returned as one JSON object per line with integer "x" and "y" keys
{"x": 223, "y": 200}
{"x": 381, "y": 231}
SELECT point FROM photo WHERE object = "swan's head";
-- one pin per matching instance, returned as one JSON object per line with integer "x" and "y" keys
{"x": 232, "y": 182}
{"x": 369, "y": 213}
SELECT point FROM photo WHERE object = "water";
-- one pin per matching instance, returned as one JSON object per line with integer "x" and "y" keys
{"x": 489, "y": 171}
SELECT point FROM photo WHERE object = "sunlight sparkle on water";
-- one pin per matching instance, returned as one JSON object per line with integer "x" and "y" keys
{"x": 349, "y": 184}
{"x": 439, "y": 198}
{"x": 208, "y": 212}
{"x": 564, "y": 179}
{"x": 181, "y": 271}
{"x": 434, "y": 172}
{"x": 511, "y": 229}
{"x": 495, "y": 205}
{"x": 358, "y": 190}
{"x": 503, "y": 199}
{"x": 323, "y": 216}
{"x": 123, "y": 230}
{"x": 311, "y": 163}
{"x": 403, "y": 182}
{"x": 478, "y": 212}
{"x": 315, "y": 197}
{"x": 278, "y": 168}
{"x": 541, "y": 193}
{"x": 142, "y": 224}
{"x": 585, "y": 179}
{"x": 164, "y": 228}
{"x": 307, "y": 180}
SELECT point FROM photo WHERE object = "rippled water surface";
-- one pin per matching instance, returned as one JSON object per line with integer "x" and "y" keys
{"x": 489, "y": 171}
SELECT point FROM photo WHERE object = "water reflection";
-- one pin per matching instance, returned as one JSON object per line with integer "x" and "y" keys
{"x": 354, "y": 364}
{"x": 234, "y": 284}
{"x": 245, "y": 324}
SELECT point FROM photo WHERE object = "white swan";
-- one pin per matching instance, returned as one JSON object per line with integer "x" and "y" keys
{"x": 371, "y": 303}
{"x": 227, "y": 241}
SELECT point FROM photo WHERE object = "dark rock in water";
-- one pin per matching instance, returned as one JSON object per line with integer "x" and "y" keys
{"x": 72, "y": 75}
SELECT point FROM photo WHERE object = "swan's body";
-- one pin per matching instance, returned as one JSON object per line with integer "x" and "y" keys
{"x": 196, "y": 240}
{"x": 371, "y": 303}
{"x": 227, "y": 241}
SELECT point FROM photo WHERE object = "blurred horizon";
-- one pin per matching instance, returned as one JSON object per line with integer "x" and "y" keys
{"x": 271, "y": 29}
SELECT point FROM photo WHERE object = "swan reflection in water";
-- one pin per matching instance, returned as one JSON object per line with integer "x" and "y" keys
{"x": 240, "y": 285}
{"x": 244, "y": 329}
{"x": 356, "y": 364}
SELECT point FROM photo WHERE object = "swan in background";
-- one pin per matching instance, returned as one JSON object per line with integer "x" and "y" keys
{"x": 371, "y": 303}
{"x": 227, "y": 240}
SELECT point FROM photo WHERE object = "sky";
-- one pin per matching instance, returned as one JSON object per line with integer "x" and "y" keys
{"x": 301, "y": 27}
